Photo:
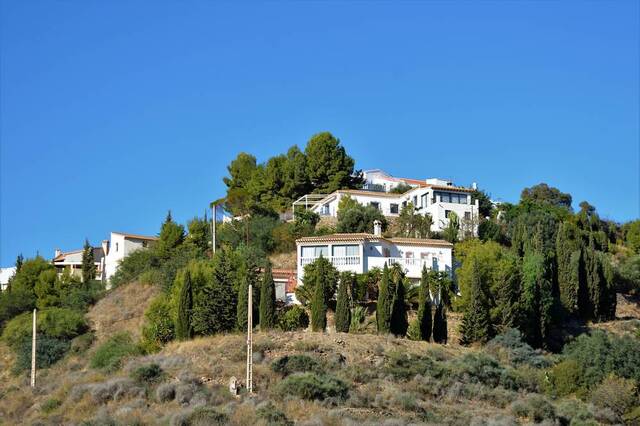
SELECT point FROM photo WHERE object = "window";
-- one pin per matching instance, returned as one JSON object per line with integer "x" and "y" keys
{"x": 315, "y": 251}
{"x": 386, "y": 252}
{"x": 346, "y": 250}
{"x": 423, "y": 200}
{"x": 447, "y": 213}
{"x": 116, "y": 246}
{"x": 409, "y": 255}
{"x": 393, "y": 208}
{"x": 445, "y": 197}
{"x": 144, "y": 244}
{"x": 434, "y": 265}
{"x": 415, "y": 201}
{"x": 462, "y": 198}
{"x": 467, "y": 215}
{"x": 424, "y": 256}
{"x": 404, "y": 204}
{"x": 375, "y": 204}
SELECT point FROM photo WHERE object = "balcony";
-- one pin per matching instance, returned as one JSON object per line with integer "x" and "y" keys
{"x": 411, "y": 265}
{"x": 336, "y": 261}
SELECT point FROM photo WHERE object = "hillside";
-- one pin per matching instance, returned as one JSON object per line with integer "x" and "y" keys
{"x": 388, "y": 380}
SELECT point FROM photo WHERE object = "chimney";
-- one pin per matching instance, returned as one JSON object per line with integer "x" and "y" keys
{"x": 105, "y": 247}
{"x": 474, "y": 186}
{"x": 377, "y": 228}
{"x": 57, "y": 253}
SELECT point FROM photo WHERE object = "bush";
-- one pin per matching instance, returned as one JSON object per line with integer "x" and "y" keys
{"x": 48, "y": 351}
{"x": 50, "y": 404}
{"x": 404, "y": 366}
{"x": 482, "y": 368}
{"x": 58, "y": 323}
{"x": 616, "y": 394}
{"x": 159, "y": 326}
{"x": 294, "y": 364}
{"x": 110, "y": 354}
{"x": 206, "y": 416}
{"x": 114, "y": 390}
{"x": 82, "y": 343}
{"x": 166, "y": 392}
{"x": 533, "y": 407}
{"x": 271, "y": 415}
{"x": 517, "y": 351}
{"x": 574, "y": 411}
{"x": 566, "y": 377}
{"x": 312, "y": 386}
{"x": 294, "y": 318}
{"x": 147, "y": 374}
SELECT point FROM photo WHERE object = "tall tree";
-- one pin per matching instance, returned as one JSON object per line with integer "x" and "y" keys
{"x": 440, "y": 328}
{"x": 424, "y": 319}
{"x": 241, "y": 171}
{"x": 476, "y": 321}
{"x": 328, "y": 166}
{"x": 567, "y": 243}
{"x": 19, "y": 262}
{"x": 343, "y": 305}
{"x": 399, "y": 322}
{"x": 88, "y": 263}
{"x": 545, "y": 194}
{"x": 319, "y": 303}
{"x": 171, "y": 235}
{"x": 383, "y": 308}
{"x": 184, "y": 328}
{"x": 450, "y": 233}
{"x": 537, "y": 299}
{"x": 267, "y": 300}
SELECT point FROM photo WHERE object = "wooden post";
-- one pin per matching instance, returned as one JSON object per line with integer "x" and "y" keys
{"x": 250, "y": 341}
{"x": 213, "y": 228}
{"x": 33, "y": 352}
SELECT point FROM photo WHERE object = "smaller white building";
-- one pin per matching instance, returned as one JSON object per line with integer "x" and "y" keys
{"x": 361, "y": 252}
{"x": 120, "y": 246}
{"x": 5, "y": 276}
{"x": 72, "y": 262}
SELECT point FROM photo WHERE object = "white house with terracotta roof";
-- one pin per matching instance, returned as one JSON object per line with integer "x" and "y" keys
{"x": 72, "y": 261}
{"x": 361, "y": 252}
{"x": 121, "y": 245}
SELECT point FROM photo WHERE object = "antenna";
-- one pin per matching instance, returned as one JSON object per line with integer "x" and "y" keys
{"x": 250, "y": 341}
{"x": 33, "y": 352}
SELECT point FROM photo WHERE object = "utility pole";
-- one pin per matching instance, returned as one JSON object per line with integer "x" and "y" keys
{"x": 33, "y": 352}
{"x": 213, "y": 227}
{"x": 250, "y": 341}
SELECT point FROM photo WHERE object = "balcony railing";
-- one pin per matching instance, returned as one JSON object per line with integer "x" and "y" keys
{"x": 335, "y": 260}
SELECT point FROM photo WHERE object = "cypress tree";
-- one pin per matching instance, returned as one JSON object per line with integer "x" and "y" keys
{"x": 537, "y": 299}
{"x": 399, "y": 322}
{"x": 318, "y": 301}
{"x": 184, "y": 329}
{"x": 343, "y": 311}
{"x": 440, "y": 331}
{"x": 267, "y": 300}
{"x": 476, "y": 320}
{"x": 424, "y": 307}
{"x": 383, "y": 308}
{"x": 567, "y": 243}
{"x": 88, "y": 263}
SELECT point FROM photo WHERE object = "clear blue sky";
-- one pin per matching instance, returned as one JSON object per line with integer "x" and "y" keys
{"x": 114, "y": 112}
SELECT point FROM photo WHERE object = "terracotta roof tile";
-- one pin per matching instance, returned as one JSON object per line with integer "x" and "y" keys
{"x": 360, "y": 237}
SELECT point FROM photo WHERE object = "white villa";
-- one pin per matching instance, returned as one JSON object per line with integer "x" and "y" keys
{"x": 107, "y": 257}
{"x": 437, "y": 197}
{"x": 5, "y": 276}
{"x": 362, "y": 252}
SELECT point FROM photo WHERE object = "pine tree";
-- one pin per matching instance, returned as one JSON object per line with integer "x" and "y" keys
{"x": 343, "y": 311}
{"x": 88, "y": 263}
{"x": 243, "y": 297}
{"x": 424, "y": 307}
{"x": 184, "y": 328}
{"x": 440, "y": 331}
{"x": 267, "y": 300}
{"x": 476, "y": 320}
{"x": 399, "y": 322}
{"x": 318, "y": 302}
{"x": 383, "y": 308}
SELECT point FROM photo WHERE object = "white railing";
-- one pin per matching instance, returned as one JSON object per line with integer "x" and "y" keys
{"x": 411, "y": 265}
{"x": 335, "y": 260}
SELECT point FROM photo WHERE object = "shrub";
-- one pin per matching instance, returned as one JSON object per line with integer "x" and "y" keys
{"x": 616, "y": 394}
{"x": 574, "y": 411}
{"x": 290, "y": 364}
{"x": 166, "y": 392}
{"x": 58, "y": 323}
{"x": 110, "y": 354}
{"x": 159, "y": 326}
{"x": 482, "y": 368}
{"x": 312, "y": 386}
{"x": 147, "y": 374}
{"x": 405, "y": 366}
{"x": 517, "y": 351}
{"x": 185, "y": 392}
{"x": 114, "y": 389}
{"x": 566, "y": 377}
{"x": 534, "y": 407}
{"x": 50, "y": 404}
{"x": 294, "y": 318}
{"x": 268, "y": 412}
{"x": 48, "y": 351}
{"x": 206, "y": 416}
{"x": 81, "y": 343}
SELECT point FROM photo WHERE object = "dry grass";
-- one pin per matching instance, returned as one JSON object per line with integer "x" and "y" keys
{"x": 122, "y": 309}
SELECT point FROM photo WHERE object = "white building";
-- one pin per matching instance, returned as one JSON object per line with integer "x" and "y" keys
{"x": 5, "y": 275}
{"x": 437, "y": 197}
{"x": 120, "y": 246}
{"x": 72, "y": 261}
{"x": 362, "y": 252}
